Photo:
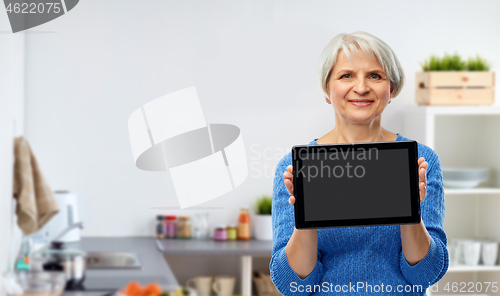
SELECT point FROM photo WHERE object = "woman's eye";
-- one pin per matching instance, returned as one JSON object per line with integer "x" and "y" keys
{"x": 376, "y": 76}
{"x": 344, "y": 76}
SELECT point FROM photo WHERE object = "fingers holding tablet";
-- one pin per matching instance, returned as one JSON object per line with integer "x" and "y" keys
{"x": 289, "y": 183}
{"x": 289, "y": 179}
{"x": 422, "y": 176}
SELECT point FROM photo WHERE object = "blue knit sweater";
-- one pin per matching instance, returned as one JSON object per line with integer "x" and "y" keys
{"x": 361, "y": 260}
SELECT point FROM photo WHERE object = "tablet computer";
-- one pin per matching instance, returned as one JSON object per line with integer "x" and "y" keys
{"x": 356, "y": 184}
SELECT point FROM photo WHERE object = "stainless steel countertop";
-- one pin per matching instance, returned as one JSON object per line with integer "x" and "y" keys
{"x": 212, "y": 247}
{"x": 154, "y": 266}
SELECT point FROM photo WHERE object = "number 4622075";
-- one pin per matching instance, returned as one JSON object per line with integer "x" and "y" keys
{"x": 34, "y": 8}
{"x": 471, "y": 287}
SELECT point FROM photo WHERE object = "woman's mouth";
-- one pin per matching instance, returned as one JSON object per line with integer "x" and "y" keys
{"x": 361, "y": 103}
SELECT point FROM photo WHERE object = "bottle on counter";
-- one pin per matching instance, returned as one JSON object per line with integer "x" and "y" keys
{"x": 160, "y": 226}
{"x": 232, "y": 232}
{"x": 170, "y": 226}
{"x": 244, "y": 224}
{"x": 220, "y": 233}
{"x": 23, "y": 258}
{"x": 184, "y": 227}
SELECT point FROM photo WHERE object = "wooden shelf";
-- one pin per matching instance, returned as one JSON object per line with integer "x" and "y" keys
{"x": 465, "y": 268}
{"x": 472, "y": 191}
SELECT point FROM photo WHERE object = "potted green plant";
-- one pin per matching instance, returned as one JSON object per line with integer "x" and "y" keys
{"x": 451, "y": 80}
{"x": 263, "y": 226}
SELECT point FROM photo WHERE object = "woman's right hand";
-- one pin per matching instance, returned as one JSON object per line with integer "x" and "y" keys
{"x": 289, "y": 183}
{"x": 302, "y": 248}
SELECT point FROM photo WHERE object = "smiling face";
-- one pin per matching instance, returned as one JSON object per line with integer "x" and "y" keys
{"x": 358, "y": 90}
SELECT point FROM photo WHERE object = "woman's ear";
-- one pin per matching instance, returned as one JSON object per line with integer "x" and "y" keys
{"x": 392, "y": 90}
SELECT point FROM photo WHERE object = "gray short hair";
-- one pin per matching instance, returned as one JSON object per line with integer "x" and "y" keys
{"x": 368, "y": 44}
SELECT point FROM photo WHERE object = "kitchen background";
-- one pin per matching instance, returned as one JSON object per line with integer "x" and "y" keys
{"x": 70, "y": 85}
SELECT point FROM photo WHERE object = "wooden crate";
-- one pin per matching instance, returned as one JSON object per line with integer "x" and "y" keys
{"x": 455, "y": 88}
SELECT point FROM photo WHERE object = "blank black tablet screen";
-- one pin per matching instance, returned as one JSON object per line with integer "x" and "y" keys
{"x": 356, "y": 184}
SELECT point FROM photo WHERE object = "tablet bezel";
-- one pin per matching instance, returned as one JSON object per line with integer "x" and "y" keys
{"x": 410, "y": 146}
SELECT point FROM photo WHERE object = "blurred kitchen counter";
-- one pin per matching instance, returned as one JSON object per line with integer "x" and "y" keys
{"x": 212, "y": 247}
{"x": 246, "y": 250}
{"x": 154, "y": 267}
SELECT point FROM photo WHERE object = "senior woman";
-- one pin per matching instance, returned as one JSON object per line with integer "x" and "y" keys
{"x": 359, "y": 75}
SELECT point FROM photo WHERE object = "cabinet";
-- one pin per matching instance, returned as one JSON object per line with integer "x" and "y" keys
{"x": 464, "y": 136}
{"x": 245, "y": 250}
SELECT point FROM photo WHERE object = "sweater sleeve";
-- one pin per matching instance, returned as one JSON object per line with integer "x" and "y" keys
{"x": 283, "y": 220}
{"x": 434, "y": 265}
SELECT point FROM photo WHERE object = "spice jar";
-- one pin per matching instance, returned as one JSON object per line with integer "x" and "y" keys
{"x": 160, "y": 227}
{"x": 232, "y": 232}
{"x": 170, "y": 226}
{"x": 183, "y": 227}
{"x": 220, "y": 233}
{"x": 244, "y": 224}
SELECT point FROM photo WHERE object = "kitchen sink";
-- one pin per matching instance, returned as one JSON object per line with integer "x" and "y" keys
{"x": 112, "y": 260}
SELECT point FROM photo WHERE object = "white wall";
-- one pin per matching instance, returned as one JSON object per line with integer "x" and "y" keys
{"x": 253, "y": 63}
{"x": 11, "y": 125}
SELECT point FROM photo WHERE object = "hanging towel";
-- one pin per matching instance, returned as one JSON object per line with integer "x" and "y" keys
{"x": 36, "y": 204}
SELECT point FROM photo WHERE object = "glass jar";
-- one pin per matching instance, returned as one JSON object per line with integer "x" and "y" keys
{"x": 220, "y": 233}
{"x": 244, "y": 224}
{"x": 184, "y": 227}
{"x": 160, "y": 227}
{"x": 170, "y": 226}
{"x": 200, "y": 226}
{"x": 232, "y": 232}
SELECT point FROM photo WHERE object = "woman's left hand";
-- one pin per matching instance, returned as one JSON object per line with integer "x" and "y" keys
{"x": 422, "y": 177}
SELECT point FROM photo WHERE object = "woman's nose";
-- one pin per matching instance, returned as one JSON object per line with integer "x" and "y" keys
{"x": 361, "y": 87}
